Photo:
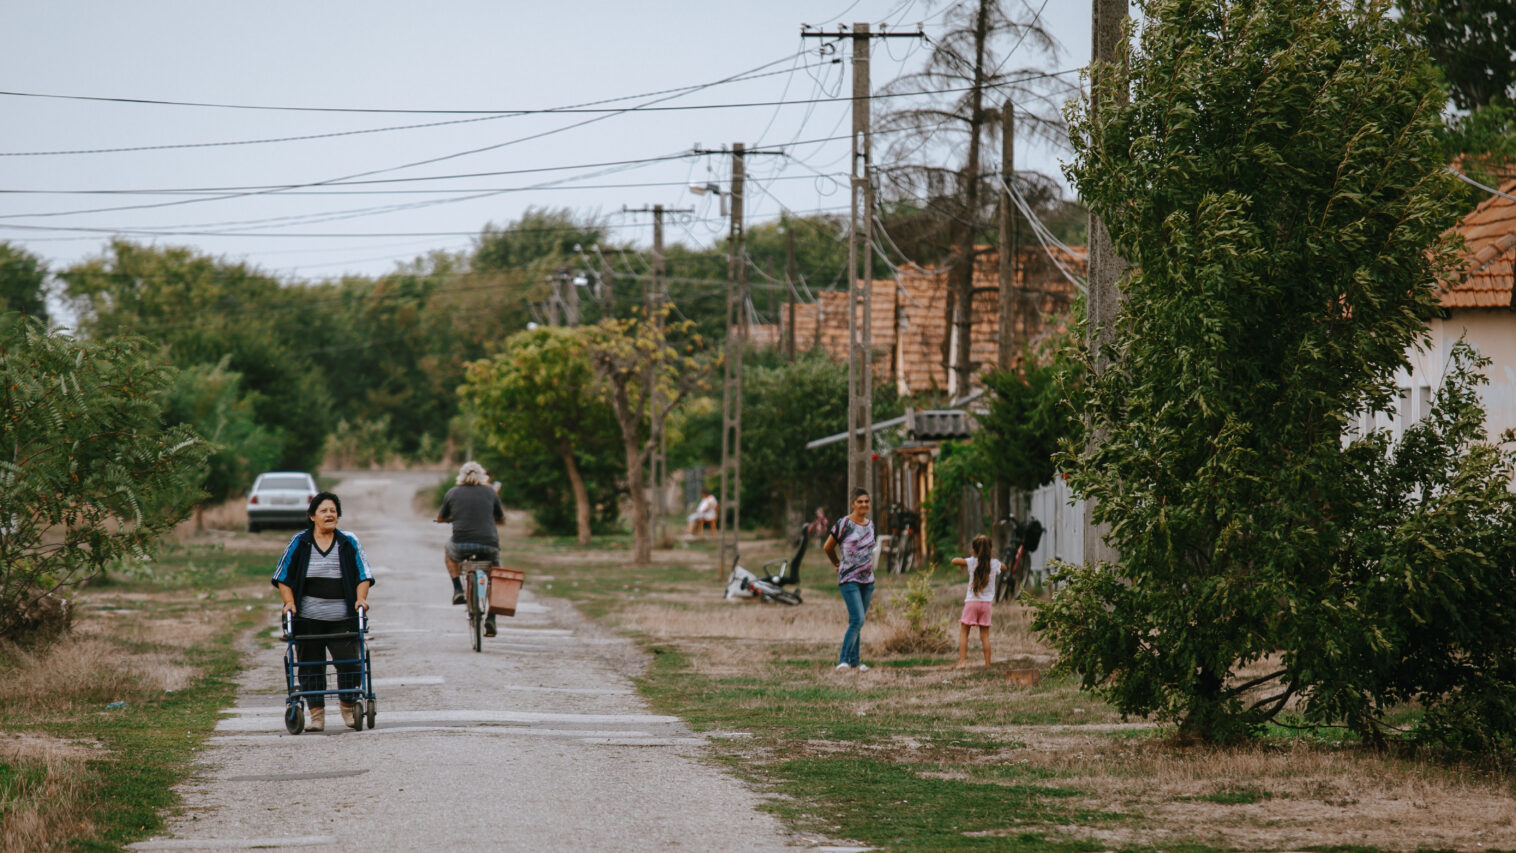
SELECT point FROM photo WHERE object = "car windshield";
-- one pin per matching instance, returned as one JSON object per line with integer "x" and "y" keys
{"x": 293, "y": 484}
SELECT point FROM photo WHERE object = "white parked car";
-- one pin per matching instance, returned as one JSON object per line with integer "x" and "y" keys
{"x": 279, "y": 499}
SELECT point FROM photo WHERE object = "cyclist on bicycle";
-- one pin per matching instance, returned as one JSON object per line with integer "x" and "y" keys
{"x": 474, "y": 509}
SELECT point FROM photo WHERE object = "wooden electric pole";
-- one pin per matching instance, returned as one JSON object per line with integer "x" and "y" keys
{"x": 729, "y": 515}
{"x": 860, "y": 376}
{"x": 1106, "y": 267}
{"x": 1002, "y": 496}
{"x": 1008, "y": 342}
{"x": 860, "y": 419}
{"x": 791, "y": 273}
{"x": 607, "y": 287}
{"x": 654, "y": 298}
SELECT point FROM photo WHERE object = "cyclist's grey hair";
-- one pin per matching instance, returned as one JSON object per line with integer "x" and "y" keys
{"x": 472, "y": 474}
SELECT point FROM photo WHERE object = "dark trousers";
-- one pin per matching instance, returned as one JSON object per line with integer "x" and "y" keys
{"x": 314, "y": 677}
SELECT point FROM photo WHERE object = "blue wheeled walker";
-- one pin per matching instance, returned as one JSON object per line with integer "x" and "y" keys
{"x": 296, "y": 699}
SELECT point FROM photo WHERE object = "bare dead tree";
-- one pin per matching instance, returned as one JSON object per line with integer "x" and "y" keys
{"x": 950, "y": 111}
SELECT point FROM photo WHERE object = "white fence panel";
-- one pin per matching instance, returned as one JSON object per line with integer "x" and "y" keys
{"x": 1062, "y": 520}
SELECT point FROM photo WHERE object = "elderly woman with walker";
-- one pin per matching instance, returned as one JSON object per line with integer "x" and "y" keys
{"x": 324, "y": 578}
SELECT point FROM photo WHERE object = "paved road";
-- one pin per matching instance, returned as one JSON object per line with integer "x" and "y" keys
{"x": 542, "y": 732}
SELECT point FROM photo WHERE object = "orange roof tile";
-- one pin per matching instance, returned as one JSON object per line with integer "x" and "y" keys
{"x": 1489, "y": 272}
{"x": 910, "y": 322}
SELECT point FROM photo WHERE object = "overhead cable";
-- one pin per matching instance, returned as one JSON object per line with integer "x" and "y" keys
{"x": 334, "y": 134}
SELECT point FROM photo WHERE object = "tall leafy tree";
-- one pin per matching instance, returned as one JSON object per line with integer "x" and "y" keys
{"x": 1473, "y": 42}
{"x": 88, "y": 471}
{"x": 210, "y": 400}
{"x": 202, "y": 309}
{"x": 784, "y": 406}
{"x": 646, "y": 366}
{"x": 1031, "y": 414}
{"x": 22, "y": 279}
{"x": 538, "y": 400}
{"x": 1275, "y": 181}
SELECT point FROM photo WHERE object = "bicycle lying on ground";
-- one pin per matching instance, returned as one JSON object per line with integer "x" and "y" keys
{"x": 1024, "y": 539}
{"x": 778, "y": 574}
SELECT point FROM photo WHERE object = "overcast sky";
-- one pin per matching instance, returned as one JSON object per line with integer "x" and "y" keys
{"x": 297, "y": 206}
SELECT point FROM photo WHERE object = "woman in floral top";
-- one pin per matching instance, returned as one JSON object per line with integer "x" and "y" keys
{"x": 853, "y": 534}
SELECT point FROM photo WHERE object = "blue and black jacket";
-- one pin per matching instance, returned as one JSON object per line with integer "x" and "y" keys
{"x": 296, "y": 559}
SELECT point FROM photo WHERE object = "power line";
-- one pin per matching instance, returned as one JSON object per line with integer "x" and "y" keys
{"x": 378, "y": 181}
{"x": 312, "y": 136}
{"x": 642, "y": 108}
{"x": 424, "y": 162}
{"x": 1489, "y": 189}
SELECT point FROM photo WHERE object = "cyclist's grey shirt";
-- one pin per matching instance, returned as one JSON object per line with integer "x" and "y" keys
{"x": 473, "y": 510}
{"x": 328, "y": 567}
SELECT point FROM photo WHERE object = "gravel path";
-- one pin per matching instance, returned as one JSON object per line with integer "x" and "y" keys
{"x": 538, "y": 743}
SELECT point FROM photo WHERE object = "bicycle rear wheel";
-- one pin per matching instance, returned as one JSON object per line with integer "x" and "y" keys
{"x": 475, "y": 620}
{"x": 1018, "y": 580}
{"x": 1005, "y": 581}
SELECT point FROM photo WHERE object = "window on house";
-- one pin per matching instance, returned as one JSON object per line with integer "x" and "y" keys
{"x": 1403, "y": 411}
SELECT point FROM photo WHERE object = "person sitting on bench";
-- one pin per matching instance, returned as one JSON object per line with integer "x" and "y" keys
{"x": 704, "y": 514}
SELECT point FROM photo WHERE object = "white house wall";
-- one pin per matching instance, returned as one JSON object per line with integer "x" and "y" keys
{"x": 1492, "y": 334}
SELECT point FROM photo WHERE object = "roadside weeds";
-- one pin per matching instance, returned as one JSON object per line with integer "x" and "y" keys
{"x": 96, "y": 730}
{"x": 914, "y": 755}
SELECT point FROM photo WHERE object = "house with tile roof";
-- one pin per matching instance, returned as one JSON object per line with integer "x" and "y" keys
{"x": 1479, "y": 306}
{"x": 909, "y": 332}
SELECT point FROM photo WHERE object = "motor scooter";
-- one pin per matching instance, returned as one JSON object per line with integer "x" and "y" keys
{"x": 778, "y": 574}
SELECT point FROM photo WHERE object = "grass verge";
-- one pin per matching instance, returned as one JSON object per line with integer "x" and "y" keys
{"x": 916, "y": 755}
{"x": 96, "y": 730}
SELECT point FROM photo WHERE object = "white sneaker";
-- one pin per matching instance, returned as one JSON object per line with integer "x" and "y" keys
{"x": 842, "y": 666}
{"x": 863, "y": 667}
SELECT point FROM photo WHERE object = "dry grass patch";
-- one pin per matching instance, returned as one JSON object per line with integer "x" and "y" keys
{"x": 844, "y": 746}
{"x": 41, "y": 783}
{"x": 99, "y": 725}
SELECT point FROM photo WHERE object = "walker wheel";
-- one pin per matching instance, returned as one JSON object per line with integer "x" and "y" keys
{"x": 358, "y": 715}
{"x": 373, "y": 711}
{"x": 294, "y": 717}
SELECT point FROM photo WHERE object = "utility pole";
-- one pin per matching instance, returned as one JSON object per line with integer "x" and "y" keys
{"x": 790, "y": 275}
{"x": 654, "y": 297}
{"x": 1106, "y": 266}
{"x": 570, "y": 296}
{"x": 554, "y": 297}
{"x": 1002, "y": 496}
{"x": 1008, "y": 241}
{"x": 729, "y": 516}
{"x": 860, "y": 420}
{"x": 607, "y": 292}
{"x": 860, "y": 380}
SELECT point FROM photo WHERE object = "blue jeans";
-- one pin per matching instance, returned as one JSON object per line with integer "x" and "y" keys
{"x": 857, "y": 597}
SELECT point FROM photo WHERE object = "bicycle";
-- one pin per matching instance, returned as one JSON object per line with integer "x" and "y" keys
{"x": 474, "y": 571}
{"x": 902, "y": 545}
{"x": 1015, "y": 569}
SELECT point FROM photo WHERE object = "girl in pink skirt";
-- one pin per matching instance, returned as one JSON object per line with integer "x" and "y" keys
{"x": 976, "y": 605}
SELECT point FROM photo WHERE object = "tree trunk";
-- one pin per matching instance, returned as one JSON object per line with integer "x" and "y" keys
{"x": 581, "y": 494}
{"x": 642, "y": 538}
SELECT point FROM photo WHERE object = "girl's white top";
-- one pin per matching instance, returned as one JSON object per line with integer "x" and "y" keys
{"x": 988, "y": 594}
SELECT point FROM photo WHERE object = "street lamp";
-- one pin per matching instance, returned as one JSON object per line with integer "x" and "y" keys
{"x": 702, "y": 189}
